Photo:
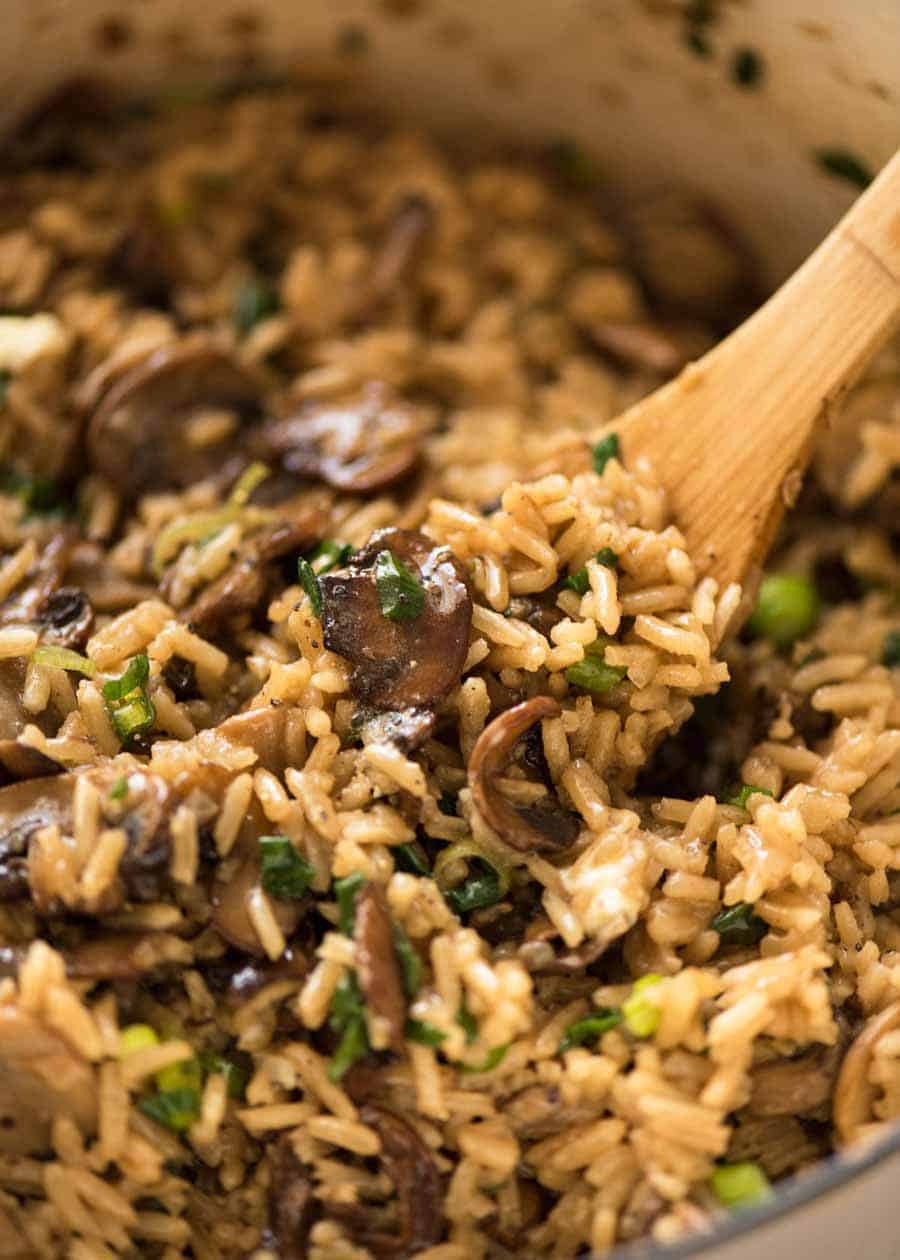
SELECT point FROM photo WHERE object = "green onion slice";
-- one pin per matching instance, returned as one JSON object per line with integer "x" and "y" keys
{"x": 310, "y": 584}
{"x": 346, "y": 891}
{"x": 424, "y": 1033}
{"x": 481, "y": 888}
{"x": 740, "y": 1186}
{"x": 63, "y": 658}
{"x": 590, "y": 1028}
{"x": 606, "y": 449}
{"x": 592, "y": 672}
{"x": 176, "y": 1109}
{"x": 738, "y": 925}
{"x": 640, "y": 1012}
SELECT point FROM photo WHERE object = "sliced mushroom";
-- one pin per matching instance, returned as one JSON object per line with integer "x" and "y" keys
{"x": 243, "y": 586}
{"x": 140, "y": 436}
{"x": 117, "y": 956}
{"x": 400, "y": 251}
{"x": 538, "y": 1112}
{"x": 795, "y": 1087}
{"x": 67, "y": 618}
{"x": 409, "y": 1164}
{"x": 40, "y": 1078}
{"x": 377, "y": 969}
{"x": 45, "y": 576}
{"x": 231, "y": 894}
{"x": 652, "y": 347}
{"x": 406, "y": 729}
{"x": 399, "y": 665}
{"x": 363, "y": 444}
{"x": 291, "y": 1204}
{"x": 18, "y": 760}
{"x": 544, "y": 825}
{"x": 263, "y": 731}
{"x": 854, "y": 1092}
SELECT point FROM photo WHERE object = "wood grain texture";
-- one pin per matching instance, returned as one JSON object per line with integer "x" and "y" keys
{"x": 731, "y": 436}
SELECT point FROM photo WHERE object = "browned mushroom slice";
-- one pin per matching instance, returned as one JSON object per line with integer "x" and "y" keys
{"x": 67, "y": 618}
{"x": 40, "y": 1078}
{"x": 405, "y": 728}
{"x": 409, "y": 1164}
{"x": 291, "y": 1204}
{"x": 263, "y": 731}
{"x": 362, "y": 444}
{"x": 795, "y": 1087}
{"x": 116, "y": 956}
{"x": 544, "y": 825}
{"x": 399, "y": 665}
{"x": 243, "y": 586}
{"x": 649, "y": 346}
{"x": 231, "y": 895}
{"x": 400, "y": 251}
{"x": 854, "y": 1092}
{"x": 377, "y": 969}
{"x": 538, "y": 1112}
{"x": 44, "y": 577}
{"x": 142, "y": 436}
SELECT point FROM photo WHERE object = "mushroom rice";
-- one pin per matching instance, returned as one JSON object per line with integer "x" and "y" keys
{"x": 403, "y": 849}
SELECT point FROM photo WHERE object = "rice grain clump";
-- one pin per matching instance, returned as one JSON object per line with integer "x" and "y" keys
{"x": 398, "y": 855}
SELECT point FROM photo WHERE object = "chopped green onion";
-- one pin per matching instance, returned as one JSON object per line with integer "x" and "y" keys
{"x": 738, "y": 925}
{"x": 254, "y": 301}
{"x": 606, "y": 449}
{"x": 592, "y": 673}
{"x": 482, "y": 887}
{"x": 284, "y": 872}
{"x": 252, "y": 476}
{"x": 787, "y": 607}
{"x": 572, "y": 164}
{"x": 176, "y": 1110}
{"x": 136, "y": 1037}
{"x": 492, "y": 1059}
{"x": 741, "y": 797}
{"x": 129, "y": 706}
{"x": 844, "y": 165}
{"x": 579, "y": 581}
{"x": 747, "y": 67}
{"x": 183, "y": 1075}
{"x": 739, "y": 1186}
{"x": 890, "y": 651}
{"x": 409, "y": 858}
{"x": 400, "y": 594}
{"x": 641, "y": 1013}
{"x": 119, "y": 789}
{"x": 467, "y": 1023}
{"x": 63, "y": 658}
{"x": 236, "y": 1073}
{"x": 410, "y": 962}
{"x": 347, "y": 1018}
{"x": 424, "y": 1033}
{"x": 310, "y": 584}
{"x": 346, "y": 891}
{"x": 136, "y": 673}
{"x": 329, "y": 555}
{"x": 589, "y": 1028}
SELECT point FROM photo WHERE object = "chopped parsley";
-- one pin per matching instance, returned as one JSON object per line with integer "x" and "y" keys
{"x": 400, "y": 595}
{"x": 592, "y": 673}
{"x": 590, "y": 1028}
{"x": 127, "y": 700}
{"x": 844, "y": 165}
{"x": 328, "y": 555}
{"x": 738, "y": 925}
{"x": 284, "y": 872}
{"x": 579, "y": 582}
{"x": 606, "y": 449}
{"x": 310, "y": 584}
{"x": 424, "y": 1033}
{"x": 742, "y": 796}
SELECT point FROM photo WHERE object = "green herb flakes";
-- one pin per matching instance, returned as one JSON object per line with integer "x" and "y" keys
{"x": 284, "y": 872}
{"x": 606, "y": 449}
{"x": 310, "y": 584}
{"x": 400, "y": 595}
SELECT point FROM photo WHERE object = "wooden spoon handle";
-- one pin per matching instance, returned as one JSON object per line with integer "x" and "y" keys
{"x": 731, "y": 436}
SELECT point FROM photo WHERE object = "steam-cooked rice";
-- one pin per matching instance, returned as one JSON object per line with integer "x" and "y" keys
{"x": 522, "y": 1143}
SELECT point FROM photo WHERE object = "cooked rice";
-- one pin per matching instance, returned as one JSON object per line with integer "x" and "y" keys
{"x": 134, "y": 903}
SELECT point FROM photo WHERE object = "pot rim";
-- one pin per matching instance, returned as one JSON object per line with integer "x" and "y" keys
{"x": 830, "y": 1174}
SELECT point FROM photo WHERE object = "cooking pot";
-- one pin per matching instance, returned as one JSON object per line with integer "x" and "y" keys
{"x": 775, "y": 111}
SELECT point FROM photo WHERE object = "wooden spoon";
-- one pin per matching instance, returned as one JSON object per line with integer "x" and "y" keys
{"x": 731, "y": 436}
